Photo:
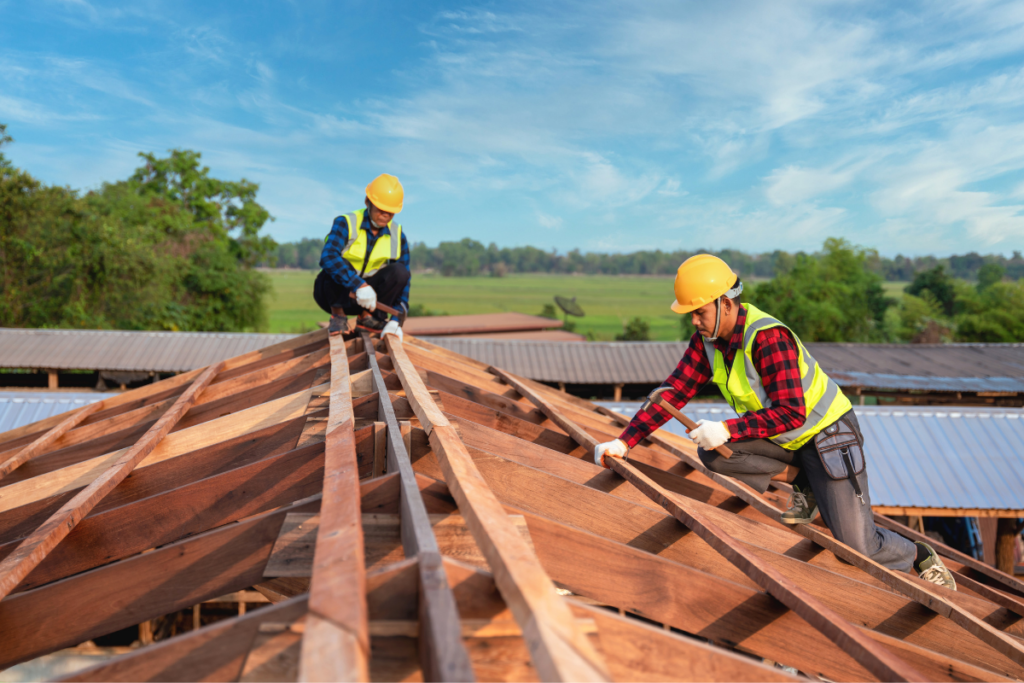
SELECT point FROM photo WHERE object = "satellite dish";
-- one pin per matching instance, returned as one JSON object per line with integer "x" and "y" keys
{"x": 569, "y": 306}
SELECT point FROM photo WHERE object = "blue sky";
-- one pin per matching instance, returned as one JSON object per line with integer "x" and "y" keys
{"x": 602, "y": 126}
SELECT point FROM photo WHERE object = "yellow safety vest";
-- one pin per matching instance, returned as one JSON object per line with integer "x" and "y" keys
{"x": 824, "y": 401}
{"x": 387, "y": 248}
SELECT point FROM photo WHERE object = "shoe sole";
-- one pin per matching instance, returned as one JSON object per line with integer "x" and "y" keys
{"x": 794, "y": 522}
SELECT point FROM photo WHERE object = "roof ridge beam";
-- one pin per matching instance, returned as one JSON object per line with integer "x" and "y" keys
{"x": 558, "y": 649}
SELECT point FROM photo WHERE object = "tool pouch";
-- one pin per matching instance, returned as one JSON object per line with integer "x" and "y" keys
{"x": 841, "y": 451}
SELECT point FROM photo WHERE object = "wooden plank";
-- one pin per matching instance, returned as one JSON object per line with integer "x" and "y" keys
{"x": 217, "y": 652}
{"x": 43, "y": 442}
{"x": 146, "y": 586}
{"x": 336, "y": 646}
{"x": 558, "y": 650}
{"x": 554, "y": 414}
{"x": 174, "y": 445}
{"x": 422, "y": 403}
{"x": 929, "y": 597}
{"x": 525, "y": 490}
{"x": 877, "y": 659}
{"x": 443, "y": 657}
{"x": 35, "y": 548}
{"x": 187, "y": 510}
{"x": 705, "y": 605}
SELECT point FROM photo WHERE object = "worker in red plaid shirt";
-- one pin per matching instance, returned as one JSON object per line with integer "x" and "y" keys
{"x": 792, "y": 419}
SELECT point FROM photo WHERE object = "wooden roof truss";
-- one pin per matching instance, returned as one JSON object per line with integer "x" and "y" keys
{"x": 416, "y": 515}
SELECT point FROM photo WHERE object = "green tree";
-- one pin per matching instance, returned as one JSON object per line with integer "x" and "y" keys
{"x": 636, "y": 329}
{"x": 989, "y": 274}
{"x": 169, "y": 248}
{"x": 938, "y": 283}
{"x": 828, "y": 297}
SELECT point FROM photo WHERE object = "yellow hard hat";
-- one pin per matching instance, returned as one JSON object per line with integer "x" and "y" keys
{"x": 700, "y": 280}
{"x": 385, "y": 192}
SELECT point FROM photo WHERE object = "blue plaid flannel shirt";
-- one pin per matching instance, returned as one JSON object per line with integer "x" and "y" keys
{"x": 341, "y": 271}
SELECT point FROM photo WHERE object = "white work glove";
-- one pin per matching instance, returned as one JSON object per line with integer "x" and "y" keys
{"x": 366, "y": 297}
{"x": 617, "y": 448}
{"x": 709, "y": 435}
{"x": 392, "y": 328}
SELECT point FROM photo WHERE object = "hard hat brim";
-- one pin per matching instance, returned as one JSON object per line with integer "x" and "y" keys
{"x": 390, "y": 208}
{"x": 681, "y": 309}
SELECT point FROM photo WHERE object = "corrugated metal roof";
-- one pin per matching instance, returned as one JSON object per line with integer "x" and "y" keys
{"x": 967, "y": 458}
{"x": 481, "y": 323}
{"x": 930, "y": 367}
{"x": 123, "y": 350}
{"x": 19, "y": 408}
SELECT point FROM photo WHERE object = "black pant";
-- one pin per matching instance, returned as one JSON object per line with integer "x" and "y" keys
{"x": 389, "y": 282}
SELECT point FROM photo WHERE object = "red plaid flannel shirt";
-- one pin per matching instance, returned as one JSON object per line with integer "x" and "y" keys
{"x": 776, "y": 360}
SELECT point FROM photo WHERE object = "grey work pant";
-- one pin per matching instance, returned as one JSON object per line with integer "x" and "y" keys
{"x": 756, "y": 462}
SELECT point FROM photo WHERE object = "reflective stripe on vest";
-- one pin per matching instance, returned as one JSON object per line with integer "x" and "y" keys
{"x": 387, "y": 247}
{"x": 742, "y": 387}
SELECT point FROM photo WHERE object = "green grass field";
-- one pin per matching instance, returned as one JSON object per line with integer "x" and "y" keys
{"x": 608, "y": 301}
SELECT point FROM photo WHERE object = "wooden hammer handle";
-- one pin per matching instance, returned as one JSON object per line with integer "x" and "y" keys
{"x": 384, "y": 307}
{"x": 722, "y": 450}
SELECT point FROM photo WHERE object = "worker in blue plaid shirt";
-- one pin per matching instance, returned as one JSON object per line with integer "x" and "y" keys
{"x": 367, "y": 264}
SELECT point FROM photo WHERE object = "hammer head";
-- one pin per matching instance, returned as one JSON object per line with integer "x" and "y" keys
{"x": 654, "y": 397}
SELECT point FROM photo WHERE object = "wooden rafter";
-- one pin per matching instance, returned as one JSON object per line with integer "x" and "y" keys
{"x": 336, "y": 645}
{"x": 35, "y": 548}
{"x": 875, "y": 657}
{"x": 443, "y": 655}
{"x": 1010, "y": 647}
{"x": 559, "y": 651}
{"x": 43, "y": 442}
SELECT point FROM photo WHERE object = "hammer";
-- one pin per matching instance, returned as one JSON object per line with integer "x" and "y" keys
{"x": 654, "y": 398}
{"x": 384, "y": 307}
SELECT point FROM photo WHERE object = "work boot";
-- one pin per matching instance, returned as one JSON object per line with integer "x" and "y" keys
{"x": 932, "y": 569}
{"x": 802, "y": 508}
{"x": 370, "y": 322}
{"x": 339, "y": 325}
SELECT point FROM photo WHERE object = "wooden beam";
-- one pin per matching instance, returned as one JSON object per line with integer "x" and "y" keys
{"x": 336, "y": 646}
{"x": 190, "y": 509}
{"x": 554, "y": 414}
{"x": 650, "y": 529}
{"x": 35, "y": 548}
{"x": 145, "y": 586}
{"x": 44, "y": 441}
{"x": 710, "y": 607}
{"x": 877, "y": 659}
{"x": 558, "y": 650}
{"x": 443, "y": 656}
{"x": 929, "y": 597}
{"x": 216, "y": 652}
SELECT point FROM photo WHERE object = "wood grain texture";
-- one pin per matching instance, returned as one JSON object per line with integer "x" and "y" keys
{"x": 554, "y": 414}
{"x": 443, "y": 656}
{"x": 929, "y": 597}
{"x": 877, "y": 659}
{"x": 35, "y": 548}
{"x": 558, "y": 650}
{"x": 216, "y": 652}
{"x": 142, "y": 587}
{"x": 46, "y": 440}
{"x": 336, "y": 646}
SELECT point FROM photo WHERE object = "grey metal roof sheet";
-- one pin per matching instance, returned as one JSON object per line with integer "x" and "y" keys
{"x": 930, "y": 367}
{"x": 125, "y": 351}
{"x": 923, "y": 456}
{"x": 19, "y": 408}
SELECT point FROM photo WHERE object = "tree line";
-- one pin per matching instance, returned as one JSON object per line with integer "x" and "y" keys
{"x": 468, "y": 257}
{"x": 169, "y": 248}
